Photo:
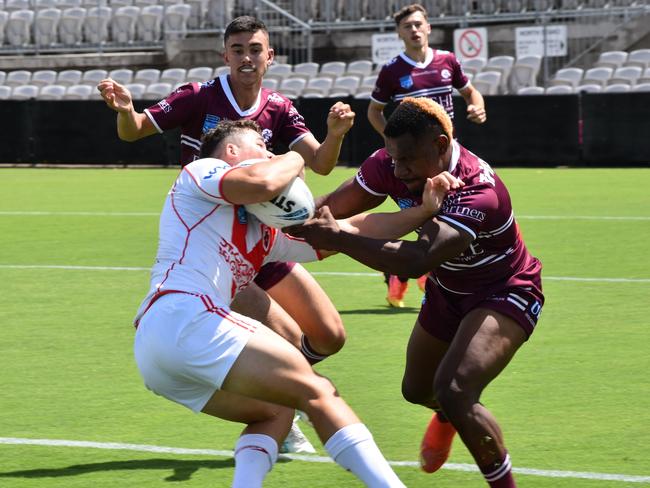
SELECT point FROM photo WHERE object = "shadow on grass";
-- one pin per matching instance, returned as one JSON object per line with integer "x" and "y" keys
{"x": 182, "y": 470}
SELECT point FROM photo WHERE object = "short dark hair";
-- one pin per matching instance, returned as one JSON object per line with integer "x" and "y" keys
{"x": 212, "y": 139}
{"x": 416, "y": 116}
{"x": 408, "y": 10}
{"x": 244, "y": 23}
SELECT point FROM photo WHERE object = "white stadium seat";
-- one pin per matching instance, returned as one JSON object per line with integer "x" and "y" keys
{"x": 270, "y": 83}
{"x": 3, "y": 77}
{"x": 279, "y": 70}
{"x": 18, "y": 78}
{"x": 123, "y": 24}
{"x": 360, "y": 68}
{"x": 292, "y": 87}
{"x": 78, "y": 92}
{"x": 173, "y": 76}
{"x": 639, "y": 57}
{"x": 626, "y": 74}
{"x": 5, "y": 92}
{"x": 332, "y": 69}
{"x": 568, "y": 76}
{"x": 611, "y": 59}
{"x": 45, "y": 26}
{"x": 199, "y": 74}
{"x": 559, "y": 90}
{"x": 531, "y": 90}
{"x": 320, "y": 85}
{"x": 71, "y": 25}
{"x": 221, "y": 70}
{"x": 137, "y": 90}
{"x": 305, "y": 70}
{"x": 147, "y": 76}
{"x": 157, "y": 91}
{"x": 617, "y": 88}
{"x": 52, "y": 92}
{"x": 198, "y": 10}
{"x": 123, "y": 76}
{"x": 641, "y": 87}
{"x": 24, "y": 92}
{"x": 69, "y": 77}
{"x": 597, "y": 76}
{"x": 346, "y": 84}
{"x": 43, "y": 77}
{"x": 93, "y": 76}
{"x": 589, "y": 88}
{"x": 95, "y": 26}
{"x": 175, "y": 21}
{"x": 487, "y": 82}
{"x": 475, "y": 65}
{"x": 19, "y": 27}
{"x": 149, "y": 24}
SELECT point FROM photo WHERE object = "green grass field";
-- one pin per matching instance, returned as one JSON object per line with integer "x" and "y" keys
{"x": 75, "y": 247}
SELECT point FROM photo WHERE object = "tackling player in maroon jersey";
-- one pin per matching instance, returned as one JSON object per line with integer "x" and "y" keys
{"x": 484, "y": 292}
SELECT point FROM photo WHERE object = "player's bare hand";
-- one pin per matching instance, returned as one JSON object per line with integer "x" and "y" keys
{"x": 319, "y": 231}
{"x": 476, "y": 114}
{"x": 116, "y": 96}
{"x": 340, "y": 119}
{"x": 435, "y": 190}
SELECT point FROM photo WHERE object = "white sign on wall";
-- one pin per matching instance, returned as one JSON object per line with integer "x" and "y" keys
{"x": 471, "y": 43}
{"x": 530, "y": 40}
{"x": 385, "y": 47}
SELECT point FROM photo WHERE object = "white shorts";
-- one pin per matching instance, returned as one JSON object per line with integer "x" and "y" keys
{"x": 185, "y": 347}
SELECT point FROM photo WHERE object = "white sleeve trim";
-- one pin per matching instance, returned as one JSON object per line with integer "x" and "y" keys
{"x": 155, "y": 124}
{"x": 365, "y": 187}
{"x": 457, "y": 224}
{"x": 298, "y": 139}
{"x": 377, "y": 101}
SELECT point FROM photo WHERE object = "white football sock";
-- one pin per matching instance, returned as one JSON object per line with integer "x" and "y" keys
{"x": 354, "y": 448}
{"x": 255, "y": 455}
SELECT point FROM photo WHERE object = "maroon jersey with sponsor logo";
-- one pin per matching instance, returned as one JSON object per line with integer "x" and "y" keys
{"x": 198, "y": 107}
{"x": 435, "y": 78}
{"x": 497, "y": 257}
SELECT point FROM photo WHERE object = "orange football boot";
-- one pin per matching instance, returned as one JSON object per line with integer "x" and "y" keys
{"x": 436, "y": 444}
{"x": 396, "y": 292}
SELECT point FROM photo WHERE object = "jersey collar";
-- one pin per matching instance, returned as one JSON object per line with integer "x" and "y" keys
{"x": 455, "y": 156}
{"x": 412, "y": 62}
{"x": 223, "y": 79}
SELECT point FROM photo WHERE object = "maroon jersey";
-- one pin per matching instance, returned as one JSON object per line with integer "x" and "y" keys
{"x": 198, "y": 107}
{"x": 435, "y": 78}
{"x": 497, "y": 256}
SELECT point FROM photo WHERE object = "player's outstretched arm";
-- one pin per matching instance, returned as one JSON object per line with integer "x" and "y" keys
{"x": 393, "y": 225}
{"x": 131, "y": 125}
{"x": 322, "y": 158}
{"x": 261, "y": 181}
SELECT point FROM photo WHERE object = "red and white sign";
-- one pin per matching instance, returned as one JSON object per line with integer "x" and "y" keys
{"x": 471, "y": 43}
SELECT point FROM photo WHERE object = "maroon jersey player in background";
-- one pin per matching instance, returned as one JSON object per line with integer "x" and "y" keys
{"x": 419, "y": 71}
{"x": 483, "y": 295}
{"x": 305, "y": 315}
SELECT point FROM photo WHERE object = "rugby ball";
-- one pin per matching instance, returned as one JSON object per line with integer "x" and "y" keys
{"x": 293, "y": 206}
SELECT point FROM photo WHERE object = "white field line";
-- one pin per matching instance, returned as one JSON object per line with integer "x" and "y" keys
{"x": 315, "y": 273}
{"x": 156, "y": 214}
{"x": 312, "y": 459}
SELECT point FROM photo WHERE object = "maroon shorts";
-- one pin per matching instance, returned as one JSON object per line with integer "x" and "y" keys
{"x": 442, "y": 311}
{"x": 272, "y": 273}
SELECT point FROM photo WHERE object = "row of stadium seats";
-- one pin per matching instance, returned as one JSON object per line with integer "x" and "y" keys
{"x": 502, "y": 74}
{"x": 77, "y": 25}
{"x": 147, "y": 76}
{"x": 612, "y": 67}
{"x": 589, "y": 88}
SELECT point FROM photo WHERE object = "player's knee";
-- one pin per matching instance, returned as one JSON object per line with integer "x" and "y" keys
{"x": 328, "y": 339}
{"x": 317, "y": 394}
{"x": 454, "y": 395}
{"x": 416, "y": 393}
